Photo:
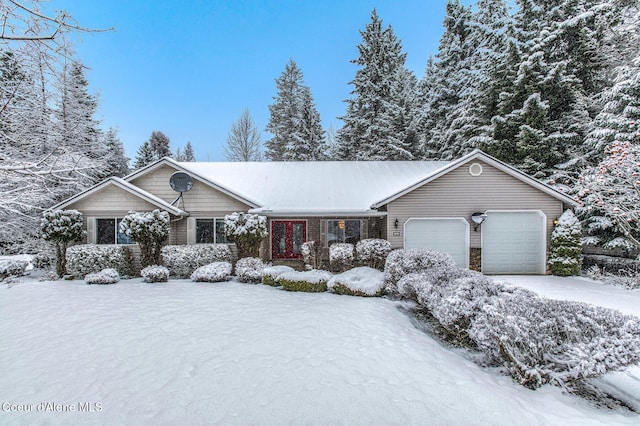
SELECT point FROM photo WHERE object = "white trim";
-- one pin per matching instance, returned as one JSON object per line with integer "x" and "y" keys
{"x": 195, "y": 229}
{"x": 477, "y": 166}
{"x": 543, "y": 252}
{"x": 338, "y": 219}
{"x": 479, "y": 155}
{"x": 275, "y": 213}
{"x": 464, "y": 220}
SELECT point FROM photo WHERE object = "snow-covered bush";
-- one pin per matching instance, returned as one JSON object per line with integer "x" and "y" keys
{"x": 212, "y": 273}
{"x": 247, "y": 231}
{"x": 310, "y": 255}
{"x": 149, "y": 230}
{"x": 106, "y": 276}
{"x": 553, "y": 341}
{"x": 361, "y": 281}
{"x": 565, "y": 248}
{"x": 270, "y": 274}
{"x": 13, "y": 268}
{"x": 313, "y": 281}
{"x": 249, "y": 269}
{"x": 183, "y": 260}
{"x": 373, "y": 252}
{"x": 341, "y": 256}
{"x": 62, "y": 227}
{"x": 155, "y": 274}
{"x": 402, "y": 262}
{"x": 84, "y": 259}
{"x": 623, "y": 278}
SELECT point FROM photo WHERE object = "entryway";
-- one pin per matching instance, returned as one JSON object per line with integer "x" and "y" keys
{"x": 287, "y": 237}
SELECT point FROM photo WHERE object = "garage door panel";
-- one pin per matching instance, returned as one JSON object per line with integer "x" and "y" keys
{"x": 514, "y": 242}
{"x": 448, "y": 235}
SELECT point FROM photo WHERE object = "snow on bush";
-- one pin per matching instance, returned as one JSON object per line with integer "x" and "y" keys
{"x": 310, "y": 255}
{"x": 623, "y": 278}
{"x": 184, "y": 259}
{"x": 555, "y": 341}
{"x": 565, "y": 248}
{"x": 402, "y": 262}
{"x": 149, "y": 230}
{"x": 14, "y": 266}
{"x": 249, "y": 269}
{"x": 155, "y": 274}
{"x": 247, "y": 231}
{"x": 270, "y": 274}
{"x": 106, "y": 276}
{"x": 313, "y": 281}
{"x": 361, "y": 281}
{"x": 62, "y": 227}
{"x": 212, "y": 273}
{"x": 341, "y": 256}
{"x": 84, "y": 259}
{"x": 373, "y": 252}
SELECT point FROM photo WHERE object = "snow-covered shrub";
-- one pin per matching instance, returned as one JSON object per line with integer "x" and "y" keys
{"x": 149, "y": 230}
{"x": 212, "y": 273}
{"x": 62, "y": 227}
{"x": 247, "y": 231}
{"x": 313, "y": 281}
{"x": 341, "y": 256}
{"x": 553, "y": 341}
{"x": 361, "y": 281}
{"x": 270, "y": 274}
{"x": 155, "y": 274}
{"x": 183, "y": 260}
{"x": 623, "y": 278}
{"x": 310, "y": 255}
{"x": 249, "y": 269}
{"x": 402, "y": 262}
{"x": 13, "y": 268}
{"x": 373, "y": 252}
{"x": 106, "y": 276}
{"x": 84, "y": 259}
{"x": 565, "y": 248}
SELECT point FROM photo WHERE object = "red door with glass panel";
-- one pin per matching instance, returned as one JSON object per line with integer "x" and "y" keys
{"x": 287, "y": 237}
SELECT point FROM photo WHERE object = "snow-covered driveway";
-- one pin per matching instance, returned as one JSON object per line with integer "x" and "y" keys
{"x": 230, "y": 353}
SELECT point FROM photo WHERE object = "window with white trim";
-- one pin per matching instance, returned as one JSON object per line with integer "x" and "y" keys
{"x": 343, "y": 231}
{"x": 108, "y": 232}
{"x": 210, "y": 231}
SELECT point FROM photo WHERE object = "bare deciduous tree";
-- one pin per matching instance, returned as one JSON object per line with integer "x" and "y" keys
{"x": 243, "y": 141}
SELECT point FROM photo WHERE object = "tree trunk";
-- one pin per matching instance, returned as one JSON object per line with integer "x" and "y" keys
{"x": 61, "y": 258}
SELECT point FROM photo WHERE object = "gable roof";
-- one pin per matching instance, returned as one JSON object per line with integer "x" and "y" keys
{"x": 315, "y": 187}
{"x": 126, "y": 186}
{"x": 479, "y": 155}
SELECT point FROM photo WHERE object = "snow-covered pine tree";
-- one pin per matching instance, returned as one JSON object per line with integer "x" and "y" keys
{"x": 188, "y": 155}
{"x": 565, "y": 247}
{"x": 368, "y": 131}
{"x": 159, "y": 144}
{"x": 243, "y": 141}
{"x": 117, "y": 164}
{"x": 144, "y": 156}
{"x": 307, "y": 143}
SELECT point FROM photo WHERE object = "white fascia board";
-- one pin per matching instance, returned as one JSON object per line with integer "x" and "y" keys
{"x": 316, "y": 213}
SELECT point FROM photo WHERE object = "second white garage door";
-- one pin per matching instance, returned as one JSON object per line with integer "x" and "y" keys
{"x": 514, "y": 242}
{"x": 448, "y": 235}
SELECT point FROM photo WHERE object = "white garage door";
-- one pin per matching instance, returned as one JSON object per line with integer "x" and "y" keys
{"x": 448, "y": 235}
{"x": 514, "y": 242}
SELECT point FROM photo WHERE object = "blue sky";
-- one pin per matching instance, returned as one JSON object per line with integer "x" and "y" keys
{"x": 189, "y": 68}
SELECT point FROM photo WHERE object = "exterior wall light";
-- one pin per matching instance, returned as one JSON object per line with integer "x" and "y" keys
{"x": 396, "y": 223}
{"x": 478, "y": 218}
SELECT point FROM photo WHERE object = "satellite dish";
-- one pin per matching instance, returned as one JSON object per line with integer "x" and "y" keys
{"x": 181, "y": 182}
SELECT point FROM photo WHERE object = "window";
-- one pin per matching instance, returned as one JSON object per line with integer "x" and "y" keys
{"x": 343, "y": 231}
{"x": 210, "y": 231}
{"x": 108, "y": 232}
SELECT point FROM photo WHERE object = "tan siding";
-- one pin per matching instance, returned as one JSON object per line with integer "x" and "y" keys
{"x": 201, "y": 201}
{"x": 111, "y": 201}
{"x": 458, "y": 194}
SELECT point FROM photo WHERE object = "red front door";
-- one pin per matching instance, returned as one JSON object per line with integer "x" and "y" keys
{"x": 287, "y": 237}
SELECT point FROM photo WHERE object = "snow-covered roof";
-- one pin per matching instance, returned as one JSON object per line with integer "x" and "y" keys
{"x": 316, "y": 188}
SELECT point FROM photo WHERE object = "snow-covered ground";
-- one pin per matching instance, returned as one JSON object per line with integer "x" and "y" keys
{"x": 231, "y": 353}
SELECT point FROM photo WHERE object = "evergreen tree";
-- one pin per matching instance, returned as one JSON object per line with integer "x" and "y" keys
{"x": 117, "y": 164}
{"x": 368, "y": 130}
{"x": 155, "y": 148}
{"x": 243, "y": 141}
{"x": 307, "y": 143}
{"x": 188, "y": 154}
{"x": 144, "y": 156}
{"x": 565, "y": 248}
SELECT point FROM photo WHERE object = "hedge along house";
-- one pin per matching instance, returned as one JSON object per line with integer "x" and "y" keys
{"x": 485, "y": 213}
